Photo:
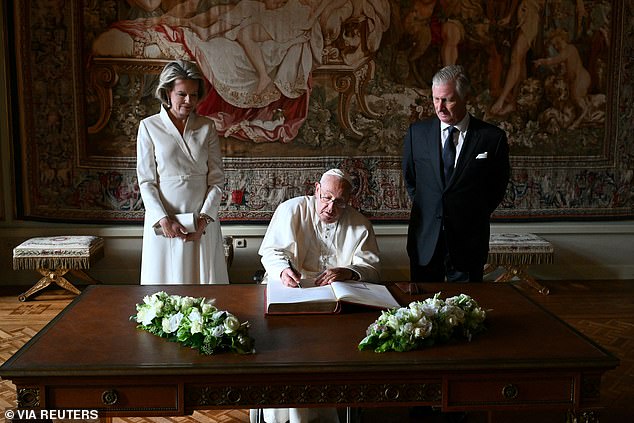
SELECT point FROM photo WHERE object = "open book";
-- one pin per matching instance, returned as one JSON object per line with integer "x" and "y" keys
{"x": 281, "y": 299}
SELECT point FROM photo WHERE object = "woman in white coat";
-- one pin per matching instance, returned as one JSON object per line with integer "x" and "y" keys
{"x": 179, "y": 170}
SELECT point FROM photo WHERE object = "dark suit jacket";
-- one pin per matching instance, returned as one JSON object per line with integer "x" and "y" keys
{"x": 476, "y": 188}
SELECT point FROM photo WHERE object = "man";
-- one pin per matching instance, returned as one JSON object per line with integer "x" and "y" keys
{"x": 449, "y": 227}
{"x": 321, "y": 237}
{"x": 318, "y": 237}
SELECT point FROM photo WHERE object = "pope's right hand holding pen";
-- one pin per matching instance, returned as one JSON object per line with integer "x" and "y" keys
{"x": 291, "y": 277}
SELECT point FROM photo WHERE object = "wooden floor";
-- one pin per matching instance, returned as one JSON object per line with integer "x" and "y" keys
{"x": 602, "y": 310}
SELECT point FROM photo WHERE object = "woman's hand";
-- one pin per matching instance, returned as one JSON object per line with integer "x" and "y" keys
{"x": 201, "y": 224}
{"x": 172, "y": 229}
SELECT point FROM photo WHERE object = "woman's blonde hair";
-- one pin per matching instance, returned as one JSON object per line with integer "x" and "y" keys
{"x": 178, "y": 69}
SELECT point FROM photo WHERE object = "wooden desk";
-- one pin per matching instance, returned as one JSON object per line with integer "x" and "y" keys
{"x": 92, "y": 357}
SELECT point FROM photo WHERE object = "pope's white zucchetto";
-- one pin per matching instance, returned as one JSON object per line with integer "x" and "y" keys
{"x": 339, "y": 174}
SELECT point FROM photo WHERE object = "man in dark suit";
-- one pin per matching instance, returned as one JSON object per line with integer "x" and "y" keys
{"x": 454, "y": 187}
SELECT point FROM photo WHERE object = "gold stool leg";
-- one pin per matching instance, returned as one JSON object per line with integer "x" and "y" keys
{"x": 40, "y": 285}
{"x": 488, "y": 268}
{"x": 521, "y": 273}
{"x": 50, "y": 276}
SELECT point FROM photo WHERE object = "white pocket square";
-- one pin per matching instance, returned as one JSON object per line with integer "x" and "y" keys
{"x": 482, "y": 155}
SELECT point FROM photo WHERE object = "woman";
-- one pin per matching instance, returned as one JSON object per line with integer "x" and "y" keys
{"x": 179, "y": 169}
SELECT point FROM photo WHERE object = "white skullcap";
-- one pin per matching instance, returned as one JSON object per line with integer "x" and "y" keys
{"x": 339, "y": 174}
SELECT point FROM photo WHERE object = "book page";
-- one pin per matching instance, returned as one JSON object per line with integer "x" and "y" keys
{"x": 310, "y": 299}
{"x": 365, "y": 293}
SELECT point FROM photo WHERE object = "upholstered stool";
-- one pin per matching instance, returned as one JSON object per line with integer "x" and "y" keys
{"x": 55, "y": 256}
{"x": 515, "y": 252}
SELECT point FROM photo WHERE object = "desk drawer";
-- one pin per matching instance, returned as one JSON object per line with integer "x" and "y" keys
{"x": 115, "y": 398}
{"x": 489, "y": 391}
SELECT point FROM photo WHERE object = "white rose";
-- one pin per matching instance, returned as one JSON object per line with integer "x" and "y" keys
{"x": 415, "y": 310}
{"x": 145, "y": 315}
{"x": 231, "y": 324}
{"x": 196, "y": 320}
{"x": 392, "y": 322}
{"x": 152, "y": 298}
{"x": 423, "y": 328}
{"x": 187, "y": 302}
{"x": 455, "y": 315}
{"x": 479, "y": 314}
{"x": 429, "y": 310}
{"x": 170, "y": 324}
{"x": 157, "y": 306}
{"x": 196, "y": 327}
{"x": 402, "y": 314}
{"x": 218, "y": 331}
{"x": 407, "y": 329}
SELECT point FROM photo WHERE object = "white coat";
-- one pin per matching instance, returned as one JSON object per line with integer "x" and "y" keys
{"x": 180, "y": 174}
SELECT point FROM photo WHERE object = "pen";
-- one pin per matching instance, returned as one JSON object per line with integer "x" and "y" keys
{"x": 290, "y": 264}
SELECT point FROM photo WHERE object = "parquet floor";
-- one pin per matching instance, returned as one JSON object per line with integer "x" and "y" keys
{"x": 602, "y": 310}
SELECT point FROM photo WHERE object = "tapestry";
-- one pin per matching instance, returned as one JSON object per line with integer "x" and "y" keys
{"x": 300, "y": 86}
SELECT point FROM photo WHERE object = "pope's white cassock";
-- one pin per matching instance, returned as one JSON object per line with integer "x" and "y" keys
{"x": 296, "y": 233}
{"x": 180, "y": 174}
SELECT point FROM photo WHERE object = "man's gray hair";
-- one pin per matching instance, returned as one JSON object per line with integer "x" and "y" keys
{"x": 178, "y": 69}
{"x": 339, "y": 174}
{"x": 454, "y": 73}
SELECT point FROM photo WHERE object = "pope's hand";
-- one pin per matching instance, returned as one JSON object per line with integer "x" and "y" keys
{"x": 290, "y": 278}
{"x": 335, "y": 274}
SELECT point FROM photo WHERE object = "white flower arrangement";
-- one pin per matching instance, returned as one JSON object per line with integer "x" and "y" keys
{"x": 424, "y": 323}
{"x": 194, "y": 322}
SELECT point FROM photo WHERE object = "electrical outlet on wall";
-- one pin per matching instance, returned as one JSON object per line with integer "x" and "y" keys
{"x": 240, "y": 243}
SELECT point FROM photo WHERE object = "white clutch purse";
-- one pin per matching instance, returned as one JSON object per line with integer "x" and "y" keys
{"x": 188, "y": 220}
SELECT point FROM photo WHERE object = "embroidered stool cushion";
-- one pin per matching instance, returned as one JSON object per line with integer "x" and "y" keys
{"x": 510, "y": 248}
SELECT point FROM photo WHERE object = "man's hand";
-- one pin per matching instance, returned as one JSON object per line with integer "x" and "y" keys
{"x": 290, "y": 278}
{"x": 335, "y": 274}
